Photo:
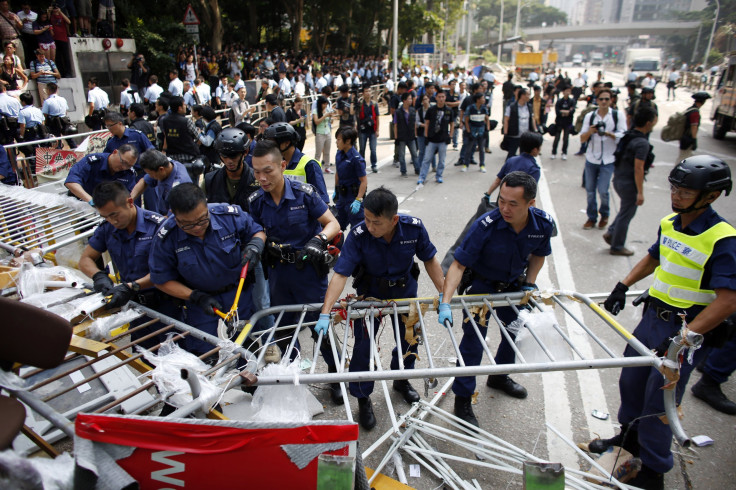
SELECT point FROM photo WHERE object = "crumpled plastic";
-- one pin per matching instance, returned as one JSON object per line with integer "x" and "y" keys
{"x": 169, "y": 361}
{"x": 101, "y": 328}
{"x": 34, "y": 280}
{"x": 542, "y": 322}
{"x": 36, "y": 473}
{"x": 281, "y": 403}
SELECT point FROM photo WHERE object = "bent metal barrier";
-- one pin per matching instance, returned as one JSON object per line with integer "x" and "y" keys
{"x": 36, "y": 389}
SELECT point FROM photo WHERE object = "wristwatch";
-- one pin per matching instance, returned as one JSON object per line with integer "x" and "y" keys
{"x": 323, "y": 237}
{"x": 135, "y": 286}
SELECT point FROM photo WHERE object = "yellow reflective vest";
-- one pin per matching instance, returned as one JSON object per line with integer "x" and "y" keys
{"x": 299, "y": 173}
{"x": 682, "y": 259}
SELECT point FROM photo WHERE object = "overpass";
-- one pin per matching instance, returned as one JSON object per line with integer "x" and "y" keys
{"x": 598, "y": 31}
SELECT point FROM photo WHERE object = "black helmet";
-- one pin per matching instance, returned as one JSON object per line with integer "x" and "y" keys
{"x": 280, "y": 132}
{"x": 647, "y": 90}
{"x": 701, "y": 96}
{"x": 231, "y": 141}
{"x": 702, "y": 172}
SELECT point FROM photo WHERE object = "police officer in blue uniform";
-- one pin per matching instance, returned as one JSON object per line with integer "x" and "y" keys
{"x": 380, "y": 252}
{"x": 299, "y": 228}
{"x": 694, "y": 267}
{"x": 503, "y": 251}
{"x": 127, "y": 234}
{"x": 197, "y": 256}
{"x": 124, "y": 136}
{"x": 102, "y": 167}
{"x": 7, "y": 174}
{"x": 162, "y": 175}
{"x": 299, "y": 166}
{"x": 350, "y": 179}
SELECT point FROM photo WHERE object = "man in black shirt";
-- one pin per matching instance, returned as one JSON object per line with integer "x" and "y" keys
{"x": 628, "y": 179}
{"x": 346, "y": 108}
{"x": 508, "y": 88}
{"x": 437, "y": 130}
{"x": 274, "y": 109}
{"x": 564, "y": 111}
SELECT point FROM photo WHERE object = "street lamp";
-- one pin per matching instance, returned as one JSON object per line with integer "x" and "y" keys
{"x": 712, "y": 32}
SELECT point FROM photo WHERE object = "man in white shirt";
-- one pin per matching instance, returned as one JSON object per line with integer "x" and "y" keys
{"x": 98, "y": 102}
{"x": 128, "y": 97}
{"x": 153, "y": 91}
{"x": 284, "y": 84}
{"x": 203, "y": 91}
{"x": 175, "y": 84}
{"x": 649, "y": 81}
{"x": 239, "y": 83}
{"x": 603, "y": 129}
{"x": 321, "y": 81}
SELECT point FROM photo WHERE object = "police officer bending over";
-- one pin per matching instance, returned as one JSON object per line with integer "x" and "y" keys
{"x": 197, "y": 256}
{"x": 694, "y": 267}
{"x": 299, "y": 227}
{"x": 101, "y": 167}
{"x": 127, "y": 234}
{"x": 503, "y": 251}
{"x": 380, "y": 252}
{"x": 162, "y": 175}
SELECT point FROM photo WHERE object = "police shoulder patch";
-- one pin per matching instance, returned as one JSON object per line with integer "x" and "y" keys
{"x": 543, "y": 214}
{"x": 93, "y": 158}
{"x": 155, "y": 217}
{"x": 411, "y": 220}
{"x": 307, "y": 189}
{"x": 165, "y": 228}
{"x": 225, "y": 209}
{"x": 358, "y": 230}
{"x": 254, "y": 196}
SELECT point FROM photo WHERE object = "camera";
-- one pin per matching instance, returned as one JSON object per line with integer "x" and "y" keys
{"x": 601, "y": 128}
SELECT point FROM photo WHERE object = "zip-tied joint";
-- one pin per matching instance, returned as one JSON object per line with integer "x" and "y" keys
{"x": 481, "y": 312}
{"x": 686, "y": 340}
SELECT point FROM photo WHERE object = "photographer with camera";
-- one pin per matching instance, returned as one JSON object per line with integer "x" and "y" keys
{"x": 139, "y": 73}
{"x": 368, "y": 126}
{"x": 603, "y": 129}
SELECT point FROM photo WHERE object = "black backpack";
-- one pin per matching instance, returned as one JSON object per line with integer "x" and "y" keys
{"x": 620, "y": 152}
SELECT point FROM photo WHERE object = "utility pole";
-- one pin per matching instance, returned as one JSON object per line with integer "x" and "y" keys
{"x": 500, "y": 34}
{"x": 712, "y": 32}
{"x": 518, "y": 16}
{"x": 396, "y": 41}
{"x": 467, "y": 31}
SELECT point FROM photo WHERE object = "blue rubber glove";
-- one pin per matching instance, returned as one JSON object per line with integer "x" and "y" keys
{"x": 91, "y": 202}
{"x": 529, "y": 286}
{"x": 323, "y": 324}
{"x": 334, "y": 196}
{"x": 355, "y": 207}
{"x": 445, "y": 314}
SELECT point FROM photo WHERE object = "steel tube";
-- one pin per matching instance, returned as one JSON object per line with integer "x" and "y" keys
{"x": 558, "y": 329}
{"x": 584, "y": 327}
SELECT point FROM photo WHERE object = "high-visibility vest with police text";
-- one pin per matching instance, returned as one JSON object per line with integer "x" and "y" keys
{"x": 299, "y": 173}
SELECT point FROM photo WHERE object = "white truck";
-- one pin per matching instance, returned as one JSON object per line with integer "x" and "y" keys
{"x": 643, "y": 61}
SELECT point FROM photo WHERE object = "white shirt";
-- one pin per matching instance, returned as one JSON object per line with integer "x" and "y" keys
{"x": 190, "y": 72}
{"x": 153, "y": 92}
{"x": 55, "y": 105}
{"x": 176, "y": 87}
{"x": 601, "y": 148}
{"x": 30, "y": 116}
{"x": 533, "y": 76}
{"x": 189, "y": 99}
{"x": 321, "y": 83}
{"x": 632, "y": 76}
{"x": 300, "y": 89}
{"x": 99, "y": 98}
{"x": 126, "y": 99}
{"x": 285, "y": 87}
{"x": 204, "y": 92}
{"x": 28, "y": 20}
{"x": 239, "y": 84}
{"x": 649, "y": 82}
{"x": 674, "y": 76}
{"x": 578, "y": 82}
{"x": 489, "y": 76}
{"x": 390, "y": 85}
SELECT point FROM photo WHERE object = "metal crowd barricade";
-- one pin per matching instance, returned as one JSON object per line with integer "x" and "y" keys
{"x": 31, "y": 219}
{"x": 406, "y": 430}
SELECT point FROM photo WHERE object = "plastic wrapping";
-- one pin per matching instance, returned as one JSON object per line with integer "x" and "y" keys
{"x": 69, "y": 255}
{"x": 543, "y": 325}
{"x": 101, "y": 328}
{"x": 281, "y": 403}
{"x": 36, "y": 473}
{"x": 170, "y": 360}
{"x": 34, "y": 280}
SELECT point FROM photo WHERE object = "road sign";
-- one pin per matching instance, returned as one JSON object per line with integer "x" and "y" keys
{"x": 192, "y": 29}
{"x": 190, "y": 18}
{"x": 422, "y": 48}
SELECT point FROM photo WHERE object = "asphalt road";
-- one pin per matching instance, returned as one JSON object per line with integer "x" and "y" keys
{"x": 580, "y": 262}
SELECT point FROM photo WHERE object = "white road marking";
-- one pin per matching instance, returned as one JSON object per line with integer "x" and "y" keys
{"x": 556, "y": 397}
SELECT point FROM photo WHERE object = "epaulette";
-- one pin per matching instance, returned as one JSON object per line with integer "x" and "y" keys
{"x": 254, "y": 196}
{"x": 225, "y": 209}
{"x": 410, "y": 220}
{"x": 543, "y": 214}
{"x": 307, "y": 189}
{"x": 164, "y": 230}
{"x": 155, "y": 217}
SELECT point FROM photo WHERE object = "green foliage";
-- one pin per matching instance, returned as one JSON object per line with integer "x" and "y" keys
{"x": 714, "y": 57}
{"x": 489, "y": 57}
{"x": 157, "y": 39}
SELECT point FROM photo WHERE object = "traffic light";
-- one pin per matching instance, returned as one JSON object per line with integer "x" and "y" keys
{"x": 615, "y": 53}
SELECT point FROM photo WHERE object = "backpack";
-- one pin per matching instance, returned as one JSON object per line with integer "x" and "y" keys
{"x": 675, "y": 127}
{"x": 627, "y": 138}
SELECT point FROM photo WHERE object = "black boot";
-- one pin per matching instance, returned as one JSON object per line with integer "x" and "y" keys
{"x": 708, "y": 390}
{"x": 464, "y": 410}
{"x": 628, "y": 439}
{"x": 335, "y": 391}
{"x": 365, "y": 416}
{"x": 504, "y": 383}
{"x": 407, "y": 390}
{"x": 648, "y": 479}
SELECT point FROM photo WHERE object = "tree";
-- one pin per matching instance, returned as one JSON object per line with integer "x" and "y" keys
{"x": 213, "y": 20}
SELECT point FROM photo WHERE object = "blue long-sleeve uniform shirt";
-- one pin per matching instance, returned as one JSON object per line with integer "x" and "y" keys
{"x": 92, "y": 169}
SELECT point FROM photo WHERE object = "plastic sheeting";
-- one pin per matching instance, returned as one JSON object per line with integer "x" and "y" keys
{"x": 281, "y": 403}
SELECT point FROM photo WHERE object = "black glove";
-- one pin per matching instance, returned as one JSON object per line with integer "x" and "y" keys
{"x": 121, "y": 294}
{"x": 695, "y": 144}
{"x": 661, "y": 349}
{"x": 616, "y": 301}
{"x": 205, "y": 301}
{"x": 102, "y": 282}
{"x": 253, "y": 252}
{"x": 315, "y": 249}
